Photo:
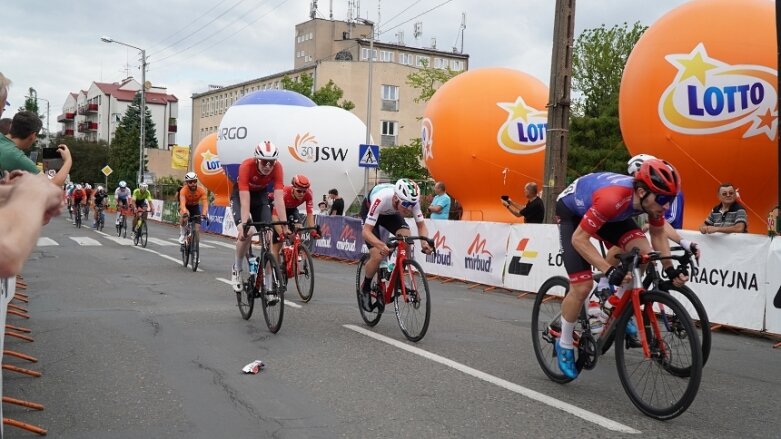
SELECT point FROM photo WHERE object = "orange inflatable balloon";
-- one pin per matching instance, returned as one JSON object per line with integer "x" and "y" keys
{"x": 700, "y": 90}
{"x": 484, "y": 135}
{"x": 206, "y": 164}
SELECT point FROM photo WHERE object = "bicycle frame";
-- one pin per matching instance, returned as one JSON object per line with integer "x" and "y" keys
{"x": 402, "y": 247}
{"x": 261, "y": 230}
{"x": 291, "y": 266}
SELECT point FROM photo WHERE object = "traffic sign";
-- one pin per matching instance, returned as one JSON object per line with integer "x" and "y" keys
{"x": 369, "y": 156}
{"x": 107, "y": 170}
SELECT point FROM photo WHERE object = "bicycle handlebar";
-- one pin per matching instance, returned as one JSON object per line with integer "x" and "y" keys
{"x": 393, "y": 241}
{"x": 633, "y": 258}
{"x": 263, "y": 226}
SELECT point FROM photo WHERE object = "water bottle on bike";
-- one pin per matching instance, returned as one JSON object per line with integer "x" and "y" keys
{"x": 253, "y": 265}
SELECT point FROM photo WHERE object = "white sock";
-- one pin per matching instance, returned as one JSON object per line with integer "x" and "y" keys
{"x": 181, "y": 231}
{"x": 566, "y": 340}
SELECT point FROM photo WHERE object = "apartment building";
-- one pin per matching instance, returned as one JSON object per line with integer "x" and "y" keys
{"x": 94, "y": 114}
{"x": 340, "y": 51}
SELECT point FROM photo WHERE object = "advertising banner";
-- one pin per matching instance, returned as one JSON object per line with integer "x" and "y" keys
{"x": 532, "y": 256}
{"x": 228, "y": 226}
{"x": 158, "y": 207}
{"x": 773, "y": 301}
{"x": 347, "y": 235}
{"x": 7, "y": 291}
{"x": 329, "y": 225}
{"x": 216, "y": 218}
{"x": 180, "y": 156}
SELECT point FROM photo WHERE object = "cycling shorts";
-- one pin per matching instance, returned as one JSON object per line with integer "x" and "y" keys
{"x": 392, "y": 223}
{"x": 194, "y": 210}
{"x": 122, "y": 201}
{"x": 140, "y": 204}
{"x": 259, "y": 206}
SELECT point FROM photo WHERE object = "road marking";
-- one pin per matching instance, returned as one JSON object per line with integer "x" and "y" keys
{"x": 85, "y": 241}
{"x": 161, "y": 242}
{"x": 46, "y": 242}
{"x": 120, "y": 241}
{"x": 102, "y": 233}
{"x": 201, "y": 245}
{"x": 531, "y": 394}
{"x": 170, "y": 258}
{"x": 287, "y": 302}
{"x": 221, "y": 244}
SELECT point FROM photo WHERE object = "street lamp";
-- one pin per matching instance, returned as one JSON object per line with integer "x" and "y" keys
{"x": 34, "y": 94}
{"x": 368, "y": 101}
{"x": 106, "y": 39}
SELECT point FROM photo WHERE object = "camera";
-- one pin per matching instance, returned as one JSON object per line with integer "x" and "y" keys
{"x": 50, "y": 153}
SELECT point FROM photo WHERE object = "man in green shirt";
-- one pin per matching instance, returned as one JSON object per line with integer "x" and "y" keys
{"x": 23, "y": 133}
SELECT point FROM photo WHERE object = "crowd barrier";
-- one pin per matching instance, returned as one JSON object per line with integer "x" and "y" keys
{"x": 737, "y": 278}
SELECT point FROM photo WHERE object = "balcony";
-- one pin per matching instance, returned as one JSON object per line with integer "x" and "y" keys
{"x": 88, "y": 108}
{"x": 171, "y": 128}
{"x": 88, "y": 126}
{"x": 65, "y": 117}
{"x": 390, "y": 105}
{"x": 68, "y": 132}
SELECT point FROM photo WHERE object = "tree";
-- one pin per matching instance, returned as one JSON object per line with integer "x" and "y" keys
{"x": 124, "y": 150}
{"x": 428, "y": 80}
{"x": 88, "y": 158}
{"x": 329, "y": 94}
{"x": 403, "y": 161}
{"x": 598, "y": 61}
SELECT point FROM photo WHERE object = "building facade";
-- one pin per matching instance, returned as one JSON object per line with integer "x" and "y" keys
{"x": 340, "y": 51}
{"x": 94, "y": 114}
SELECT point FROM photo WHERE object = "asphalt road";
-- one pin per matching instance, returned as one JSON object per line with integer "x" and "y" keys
{"x": 133, "y": 345}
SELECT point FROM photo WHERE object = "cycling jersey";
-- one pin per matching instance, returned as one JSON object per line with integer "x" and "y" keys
{"x": 250, "y": 179}
{"x": 88, "y": 193}
{"x": 292, "y": 202}
{"x": 138, "y": 196}
{"x": 99, "y": 198}
{"x": 191, "y": 198}
{"x": 122, "y": 193}
{"x": 600, "y": 198}
{"x": 78, "y": 194}
{"x": 380, "y": 202}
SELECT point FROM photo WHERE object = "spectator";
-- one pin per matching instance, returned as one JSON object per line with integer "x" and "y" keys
{"x": 534, "y": 211}
{"x": 323, "y": 206}
{"x": 27, "y": 202}
{"x": 24, "y": 132}
{"x": 5, "y": 125}
{"x": 337, "y": 206}
{"x": 440, "y": 205}
{"x": 772, "y": 222}
{"x": 728, "y": 216}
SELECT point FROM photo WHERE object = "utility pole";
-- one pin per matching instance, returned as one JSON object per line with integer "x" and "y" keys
{"x": 368, "y": 102}
{"x": 558, "y": 106}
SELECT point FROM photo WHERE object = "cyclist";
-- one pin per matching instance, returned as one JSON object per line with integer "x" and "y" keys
{"x": 121, "y": 195}
{"x": 601, "y": 205}
{"x": 192, "y": 202}
{"x": 142, "y": 201}
{"x": 384, "y": 207}
{"x": 294, "y": 195}
{"x": 68, "y": 192}
{"x": 100, "y": 198}
{"x": 250, "y": 199}
{"x": 78, "y": 196}
{"x": 88, "y": 200}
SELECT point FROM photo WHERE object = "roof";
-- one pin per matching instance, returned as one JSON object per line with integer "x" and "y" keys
{"x": 114, "y": 90}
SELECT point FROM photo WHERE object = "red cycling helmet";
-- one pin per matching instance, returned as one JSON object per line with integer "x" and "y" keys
{"x": 660, "y": 177}
{"x": 300, "y": 181}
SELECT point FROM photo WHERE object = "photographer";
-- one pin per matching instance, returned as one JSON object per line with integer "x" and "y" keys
{"x": 533, "y": 212}
{"x": 24, "y": 132}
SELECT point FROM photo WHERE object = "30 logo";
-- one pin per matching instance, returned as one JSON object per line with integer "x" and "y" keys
{"x": 427, "y": 138}
{"x": 305, "y": 149}
{"x": 710, "y": 96}
{"x": 524, "y": 131}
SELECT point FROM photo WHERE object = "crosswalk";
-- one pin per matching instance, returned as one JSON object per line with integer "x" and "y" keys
{"x": 91, "y": 241}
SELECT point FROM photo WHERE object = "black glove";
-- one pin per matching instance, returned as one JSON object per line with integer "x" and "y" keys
{"x": 673, "y": 272}
{"x": 615, "y": 275}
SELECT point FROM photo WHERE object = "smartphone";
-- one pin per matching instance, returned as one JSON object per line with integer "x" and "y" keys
{"x": 50, "y": 153}
{"x": 505, "y": 197}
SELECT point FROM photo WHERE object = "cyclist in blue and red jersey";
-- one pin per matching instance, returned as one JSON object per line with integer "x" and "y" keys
{"x": 601, "y": 205}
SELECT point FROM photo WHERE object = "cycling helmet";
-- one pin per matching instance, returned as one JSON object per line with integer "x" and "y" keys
{"x": 87, "y": 186}
{"x": 407, "y": 190}
{"x": 635, "y": 162}
{"x": 190, "y": 176}
{"x": 78, "y": 187}
{"x": 122, "y": 184}
{"x": 143, "y": 186}
{"x": 300, "y": 181}
{"x": 660, "y": 177}
{"x": 100, "y": 189}
{"x": 266, "y": 150}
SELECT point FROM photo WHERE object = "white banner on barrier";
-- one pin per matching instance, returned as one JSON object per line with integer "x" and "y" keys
{"x": 7, "y": 291}
{"x": 731, "y": 280}
{"x": 473, "y": 251}
{"x": 157, "y": 205}
{"x": 228, "y": 226}
{"x": 773, "y": 290}
{"x": 532, "y": 256}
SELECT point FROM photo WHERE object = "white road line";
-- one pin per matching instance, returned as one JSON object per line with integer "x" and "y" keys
{"x": 161, "y": 242}
{"x": 170, "y": 258}
{"x": 85, "y": 241}
{"x": 120, "y": 241}
{"x": 102, "y": 233}
{"x": 221, "y": 244}
{"x": 531, "y": 394}
{"x": 46, "y": 242}
{"x": 201, "y": 245}
{"x": 287, "y": 302}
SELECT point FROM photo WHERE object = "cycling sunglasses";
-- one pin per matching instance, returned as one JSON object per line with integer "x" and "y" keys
{"x": 408, "y": 204}
{"x": 664, "y": 199}
{"x": 267, "y": 163}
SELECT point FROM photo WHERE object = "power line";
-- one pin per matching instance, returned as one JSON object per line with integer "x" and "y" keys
{"x": 419, "y": 15}
{"x": 192, "y": 22}
{"x": 405, "y": 10}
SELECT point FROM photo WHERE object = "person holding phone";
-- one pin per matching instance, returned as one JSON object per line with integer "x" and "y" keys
{"x": 23, "y": 134}
{"x": 533, "y": 212}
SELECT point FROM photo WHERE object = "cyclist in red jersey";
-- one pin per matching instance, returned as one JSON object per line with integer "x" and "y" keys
{"x": 250, "y": 200}
{"x": 78, "y": 196}
{"x": 294, "y": 195}
{"x": 601, "y": 206}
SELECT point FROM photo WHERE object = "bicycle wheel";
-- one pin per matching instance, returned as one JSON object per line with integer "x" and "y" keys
{"x": 273, "y": 307}
{"x": 195, "y": 250}
{"x": 372, "y": 317}
{"x": 304, "y": 273}
{"x": 546, "y": 327}
{"x": 656, "y": 384}
{"x": 696, "y": 310}
{"x": 124, "y": 227}
{"x": 143, "y": 234}
{"x": 413, "y": 311}
{"x": 185, "y": 249}
{"x": 78, "y": 218}
{"x": 246, "y": 297}
{"x": 119, "y": 225}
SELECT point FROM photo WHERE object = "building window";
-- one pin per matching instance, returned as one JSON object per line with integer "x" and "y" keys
{"x": 456, "y": 65}
{"x": 440, "y": 63}
{"x": 422, "y": 61}
{"x": 406, "y": 59}
{"x": 390, "y": 97}
{"x": 365, "y": 53}
{"x": 389, "y": 134}
{"x": 386, "y": 56}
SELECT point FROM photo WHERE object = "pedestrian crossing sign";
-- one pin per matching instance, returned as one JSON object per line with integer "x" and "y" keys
{"x": 369, "y": 156}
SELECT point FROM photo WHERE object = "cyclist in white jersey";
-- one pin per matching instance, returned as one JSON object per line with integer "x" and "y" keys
{"x": 384, "y": 207}
{"x": 121, "y": 197}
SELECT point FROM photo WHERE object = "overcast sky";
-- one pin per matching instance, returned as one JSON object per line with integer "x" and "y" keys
{"x": 54, "y": 46}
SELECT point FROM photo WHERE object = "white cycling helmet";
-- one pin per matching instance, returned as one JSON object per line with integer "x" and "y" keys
{"x": 190, "y": 176}
{"x": 100, "y": 189}
{"x": 87, "y": 186}
{"x": 633, "y": 165}
{"x": 143, "y": 186}
{"x": 266, "y": 150}
{"x": 123, "y": 184}
{"x": 407, "y": 190}
{"x": 78, "y": 186}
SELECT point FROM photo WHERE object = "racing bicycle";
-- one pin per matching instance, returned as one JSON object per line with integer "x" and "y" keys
{"x": 124, "y": 212}
{"x": 140, "y": 233}
{"x": 191, "y": 249}
{"x": 296, "y": 261}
